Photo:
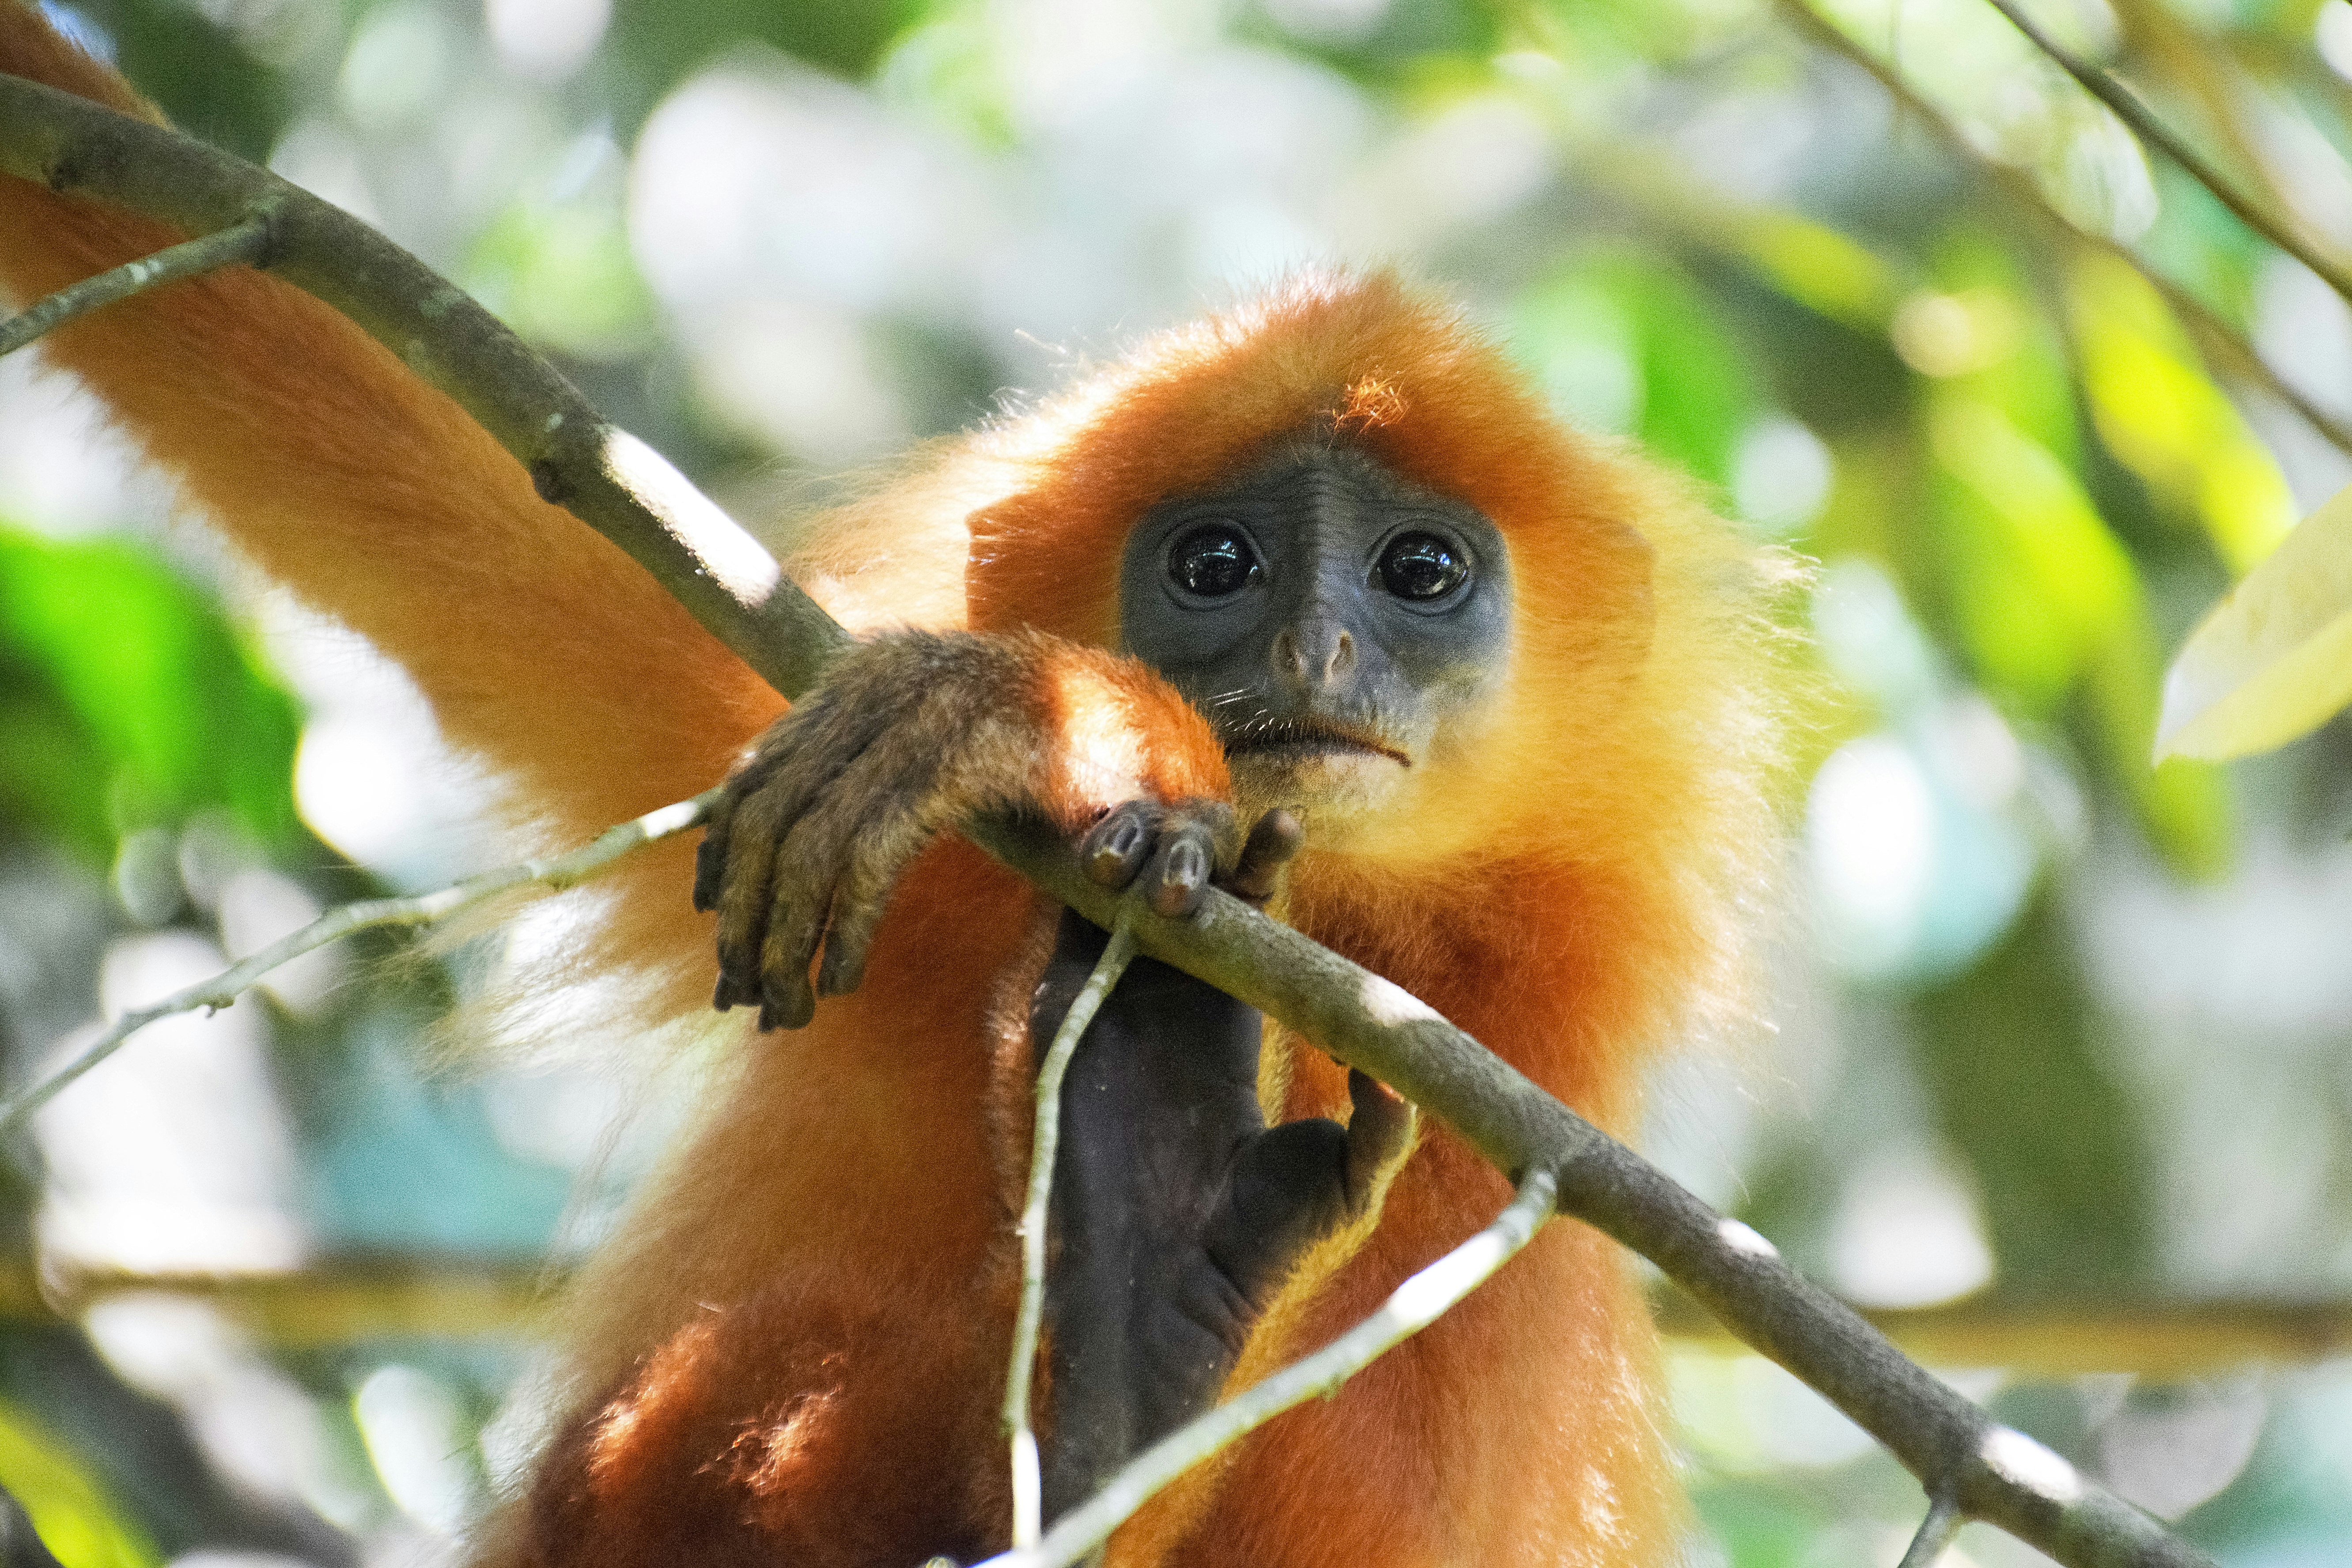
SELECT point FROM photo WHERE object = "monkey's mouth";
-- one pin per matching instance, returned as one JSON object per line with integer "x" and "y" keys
{"x": 1306, "y": 740}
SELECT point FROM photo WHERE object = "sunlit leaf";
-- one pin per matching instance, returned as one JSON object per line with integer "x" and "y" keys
{"x": 70, "y": 1513}
{"x": 2051, "y": 606}
{"x": 2007, "y": 351}
{"x": 2039, "y": 579}
{"x": 1821, "y": 268}
{"x": 562, "y": 276}
{"x": 2273, "y": 660}
{"x": 2158, "y": 411}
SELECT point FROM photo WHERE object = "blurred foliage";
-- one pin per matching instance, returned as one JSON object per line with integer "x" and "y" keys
{"x": 1975, "y": 352}
{"x": 74, "y": 1520}
{"x": 129, "y": 700}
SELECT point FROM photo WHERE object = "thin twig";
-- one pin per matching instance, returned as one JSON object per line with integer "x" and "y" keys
{"x": 1411, "y": 1307}
{"x": 1027, "y": 1489}
{"x": 2134, "y": 111}
{"x": 2216, "y": 337}
{"x": 368, "y": 914}
{"x": 1936, "y": 1532}
{"x": 245, "y": 241}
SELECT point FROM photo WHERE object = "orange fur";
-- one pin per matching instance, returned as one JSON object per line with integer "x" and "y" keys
{"x": 807, "y": 1290}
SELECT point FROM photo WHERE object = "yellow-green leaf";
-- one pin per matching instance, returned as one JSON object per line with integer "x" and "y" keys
{"x": 2273, "y": 660}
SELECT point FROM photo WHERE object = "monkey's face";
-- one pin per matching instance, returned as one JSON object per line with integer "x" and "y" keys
{"x": 1341, "y": 627}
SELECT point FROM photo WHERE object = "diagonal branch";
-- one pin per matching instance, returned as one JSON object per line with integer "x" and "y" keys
{"x": 1411, "y": 1308}
{"x": 2132, "y": 111}
{"x": 2218, "y": 340}
{"x": 602, "y": 475}
{"x": 740, "y": 594}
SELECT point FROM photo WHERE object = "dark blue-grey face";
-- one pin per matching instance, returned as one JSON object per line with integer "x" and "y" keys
{"x": 1327, "y": 615}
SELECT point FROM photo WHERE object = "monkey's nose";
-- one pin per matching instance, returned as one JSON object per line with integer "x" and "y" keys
{"x": 1314, "y": 656}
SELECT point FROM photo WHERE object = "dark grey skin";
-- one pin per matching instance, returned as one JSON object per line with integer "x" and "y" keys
{"x": 1330, "y": 618}
{"x": 1337, "y": 624}
{"x": 1177, "y": 1214}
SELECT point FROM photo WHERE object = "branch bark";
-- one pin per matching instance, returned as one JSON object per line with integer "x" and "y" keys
{"x": 722, "y": 576}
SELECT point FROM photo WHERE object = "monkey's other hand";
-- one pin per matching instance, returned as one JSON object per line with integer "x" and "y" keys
{"x": 913, "y": 732}
{"x": 1180, "y": 851}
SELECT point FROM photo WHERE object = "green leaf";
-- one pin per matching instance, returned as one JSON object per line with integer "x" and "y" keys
{"x": 1690, "y": 395}
{"x": 2050, "y": 607}
{"x": 134, "y": 699}
{"x": 2157, "y": 411}
{"x": 2273, "y": 660}
{"x": 74, "y": 1518}
{"x": 562, "y": 276}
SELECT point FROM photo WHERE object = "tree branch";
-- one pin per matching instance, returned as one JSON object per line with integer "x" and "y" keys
{"x": 338, "y": 1300}
{"x": 2215, "y": 337}
{"x": 1936, "y": 1533}
{"x": 370, "y": 914}
{"x": 2134, "y": 111}
{"x": 1020, "y": 1375}
{"x": 602, "y": 475}
{"x": 247, "y": 240}
{"x": 1411, "y": 1308}
{"x": 741, "y": 596}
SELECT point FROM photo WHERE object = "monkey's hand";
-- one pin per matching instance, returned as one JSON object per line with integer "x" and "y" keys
{"x": 1179, "y": 1215}
{"x": 913, "y": 732}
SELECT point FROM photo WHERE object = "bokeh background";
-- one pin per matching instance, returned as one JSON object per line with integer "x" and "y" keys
{"x": 2060, "y": 1059}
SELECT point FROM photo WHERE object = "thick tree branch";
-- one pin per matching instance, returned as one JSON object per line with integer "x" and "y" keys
{"x": 602, "y": 475}
{"x": 1990, "y": 1471}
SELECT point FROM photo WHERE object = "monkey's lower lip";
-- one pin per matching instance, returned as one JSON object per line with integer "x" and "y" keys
{"x": 1305, "y": 745}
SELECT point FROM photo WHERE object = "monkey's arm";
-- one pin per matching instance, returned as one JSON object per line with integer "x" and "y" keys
{"x": 913, "y": 732}
{"x": 1178, "y": 1214}
{"x": 544, "y": 650}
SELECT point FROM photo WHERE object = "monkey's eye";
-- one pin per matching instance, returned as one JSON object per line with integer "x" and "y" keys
{"x": 1213, "y": 562}
{"x": 1421, "y": 567}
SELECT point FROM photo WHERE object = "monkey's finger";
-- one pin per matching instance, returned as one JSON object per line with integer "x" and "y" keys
{"x": 877, "y": 855}
{"x": 1272, "y": 841}
{"x": 1115, "y": 848}
{"x": 711, "y": 854}
{"x": 884, "y": 803}
{"x": 1380, "y": 1130}
{"x": 795, "y": 923}
{"x": 809, "y": 761}
{"x": 1181, "y": 867}
{"x": 744, "y": 897}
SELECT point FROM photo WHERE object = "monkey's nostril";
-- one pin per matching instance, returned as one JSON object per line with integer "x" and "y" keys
{"x": 1343, "y": 655}
{"x": 1287, "y": 659}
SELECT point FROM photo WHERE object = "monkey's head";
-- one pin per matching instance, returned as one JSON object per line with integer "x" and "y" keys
{"x": 1422, "y": 612}
{"x": 1340, "y": 625}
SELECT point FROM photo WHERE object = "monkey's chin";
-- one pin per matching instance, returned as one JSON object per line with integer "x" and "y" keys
{"x": 1331, "y": 789}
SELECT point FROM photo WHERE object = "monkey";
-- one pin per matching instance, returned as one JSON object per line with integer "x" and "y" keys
{"x": 1327, "y": 552}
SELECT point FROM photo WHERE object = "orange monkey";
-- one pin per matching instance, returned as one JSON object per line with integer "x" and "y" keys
{"x": 1327, "y": 554}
